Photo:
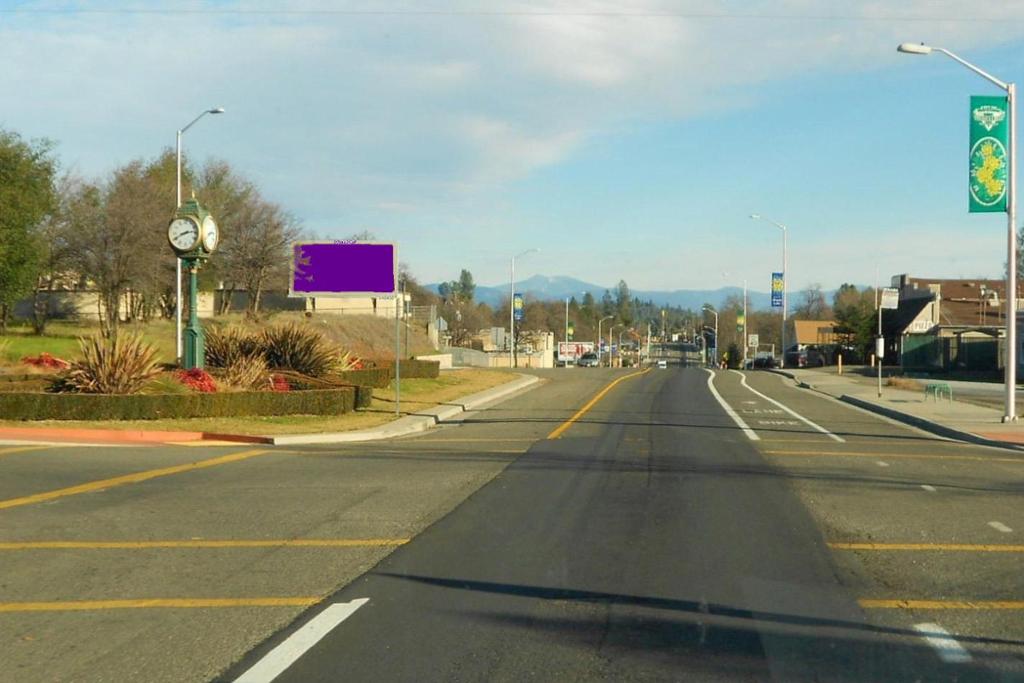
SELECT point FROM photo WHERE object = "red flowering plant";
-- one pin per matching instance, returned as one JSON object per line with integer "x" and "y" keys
{"x": 197, "y": 380}
{"x": 47, "y": 361}
{"x": 279, "y": 383}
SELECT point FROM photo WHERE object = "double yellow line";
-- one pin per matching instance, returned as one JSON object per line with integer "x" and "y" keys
{"x": 591, "y": 403}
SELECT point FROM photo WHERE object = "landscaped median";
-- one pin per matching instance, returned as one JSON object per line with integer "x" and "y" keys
{"x": 417, "y": 394}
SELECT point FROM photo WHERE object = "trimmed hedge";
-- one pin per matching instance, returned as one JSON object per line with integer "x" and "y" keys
{"x": 412, "y": 368}
{"x": 41, "y": 406}
{"x": 378, "y": 378}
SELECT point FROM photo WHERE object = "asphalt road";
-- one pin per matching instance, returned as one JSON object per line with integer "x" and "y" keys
{"x": 658, "y": 538}
{"x": 583, "y": 530}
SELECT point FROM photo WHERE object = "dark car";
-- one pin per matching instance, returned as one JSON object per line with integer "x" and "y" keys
{"x": 765, "y": 362}
{"x": 588, "y": 360}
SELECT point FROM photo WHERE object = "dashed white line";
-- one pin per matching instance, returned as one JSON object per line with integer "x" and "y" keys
{"x": 999, "y": 526}
{"x": 728, "y": 408}
{"x": 946, "y": 646}
{"x": 743, "y": 381}
{"x": 882, "y": 463}
{"x": 928, "y": 487}
{"x": 284, "y": 655}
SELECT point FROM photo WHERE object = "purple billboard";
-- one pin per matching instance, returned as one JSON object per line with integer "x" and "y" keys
{"x": 329, "y": 268}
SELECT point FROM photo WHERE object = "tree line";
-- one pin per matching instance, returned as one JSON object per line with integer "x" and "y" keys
{"x": 59, "y": 230}
{"x": 852, "y": 309}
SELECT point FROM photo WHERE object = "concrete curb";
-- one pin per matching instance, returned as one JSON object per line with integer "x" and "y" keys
{"x": 928, "y": 425}
{"x": 417, "y": 422}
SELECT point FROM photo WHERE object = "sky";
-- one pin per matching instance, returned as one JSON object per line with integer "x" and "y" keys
{"x": 624, "y": 140}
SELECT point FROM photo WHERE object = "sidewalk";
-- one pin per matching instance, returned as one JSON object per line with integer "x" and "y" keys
{"x": 410, "y": 424}
{"x": 953, "y": 419}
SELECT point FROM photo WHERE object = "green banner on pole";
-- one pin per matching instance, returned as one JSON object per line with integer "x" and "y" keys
{"x": 740, "y": 322}
{"x": 989, "y": 158}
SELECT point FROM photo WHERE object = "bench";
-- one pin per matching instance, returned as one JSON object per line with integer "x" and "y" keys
{"x": 938, "y": 390}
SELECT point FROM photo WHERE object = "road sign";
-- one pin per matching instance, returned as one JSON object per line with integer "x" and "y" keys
{"x": 753, "y": 340}
{"x": 327, "y": 269}
{"x": 778, "y": 285}
{"x": 890, "y": 298}
{"x": 989, "y": 160}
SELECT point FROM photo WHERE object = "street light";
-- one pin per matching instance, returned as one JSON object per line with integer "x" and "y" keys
{"x": 607, "y": 317}
{"x": 1010, "y": 377}
{"x": 177, "y": 260}
{"x": 512, "y": 358}
{"x": 715, "y": 313}
{"x": 785, "y": 276}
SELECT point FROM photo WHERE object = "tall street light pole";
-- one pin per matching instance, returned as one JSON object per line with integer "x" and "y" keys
{"x": 1010, "y": 375}
{"x": 512, "y": 359}
{"x": 715, "y": 313}
{"x": 177, "y": 260}
{"x": 785, "y": 278}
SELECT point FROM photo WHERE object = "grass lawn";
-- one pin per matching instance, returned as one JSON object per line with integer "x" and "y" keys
{"x": 61, "y": 340}
{"x": 417, "y": 394}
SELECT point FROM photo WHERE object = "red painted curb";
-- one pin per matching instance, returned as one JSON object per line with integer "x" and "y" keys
{"x": 120, "y": 436}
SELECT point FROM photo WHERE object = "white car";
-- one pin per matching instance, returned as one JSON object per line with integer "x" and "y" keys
{"x": 662, "y": 364}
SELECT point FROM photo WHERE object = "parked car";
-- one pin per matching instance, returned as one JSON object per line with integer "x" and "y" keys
{"x": 765, "y": 362}
{"x": 662, "y": 364}
{"x": 588, "y": 360}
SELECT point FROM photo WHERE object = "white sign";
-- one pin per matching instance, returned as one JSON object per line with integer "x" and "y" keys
{"x": 890, "y": 298}
{"x": 753, "y": 340}
{"x": 571, "y": 351}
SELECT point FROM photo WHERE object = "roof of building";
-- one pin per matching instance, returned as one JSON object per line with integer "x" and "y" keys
{"x": 966, "y": 303}
{"x": 814, "y": 331}
{"x": 896, "y": 321}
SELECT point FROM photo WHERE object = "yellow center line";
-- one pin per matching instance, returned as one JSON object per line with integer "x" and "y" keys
{"x": 590, "y": 404}
{"x": 127, "y": 479}
{"x": 199, "y": 543}
{"x": 20, "y": 449}
{"x": 80, "y": 605}
{"x": 967, "y": 547}
{"x": 942, "y": 604}
{"x": 869, "y": 454}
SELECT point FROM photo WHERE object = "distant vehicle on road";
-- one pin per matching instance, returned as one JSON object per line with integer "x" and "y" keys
{"x": 765, "y": 362}
{"x": 662, "y": 364}
{"x": 588, "y": 360}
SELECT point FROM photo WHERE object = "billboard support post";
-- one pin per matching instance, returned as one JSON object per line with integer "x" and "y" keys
{"x": 398, "y": 364}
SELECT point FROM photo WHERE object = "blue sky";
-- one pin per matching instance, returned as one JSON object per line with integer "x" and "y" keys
{"x": 625, "y": 139}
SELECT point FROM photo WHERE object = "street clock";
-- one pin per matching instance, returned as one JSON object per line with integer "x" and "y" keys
{"x": 192, "y": 231}
{"x": 193, "y": 235}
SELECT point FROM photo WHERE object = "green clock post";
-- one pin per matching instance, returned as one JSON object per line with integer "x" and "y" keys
{"x": 193, "y": 235}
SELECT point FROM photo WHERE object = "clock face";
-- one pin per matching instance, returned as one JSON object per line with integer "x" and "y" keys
{"x": 183, "y": 234}
{"x": 211, "y": 234}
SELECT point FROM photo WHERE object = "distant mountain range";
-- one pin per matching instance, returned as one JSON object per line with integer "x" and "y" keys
{"x": 560, "y": 287}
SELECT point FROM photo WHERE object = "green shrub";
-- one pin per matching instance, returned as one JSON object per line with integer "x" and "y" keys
{"x": 299, "y": 348}
{"x": 43, "y": 406}
{"x": 228, "y": 345}
{"x": 248, "y": 373}
{"x": 121, "y": 364}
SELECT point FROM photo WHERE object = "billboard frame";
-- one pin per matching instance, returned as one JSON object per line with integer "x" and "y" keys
{"x": 341, "y": 295}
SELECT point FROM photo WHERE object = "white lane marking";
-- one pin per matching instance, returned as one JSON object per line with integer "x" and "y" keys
{"x": 743, "y": 381}
{"x": 946, "y": 646}
{"x": 882, "y": 463}
{"x": 728, "y": 408}
{"x": 999, "y": 526}
{"x": 284, "y": 655}
{"x": 928, "y": 487}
